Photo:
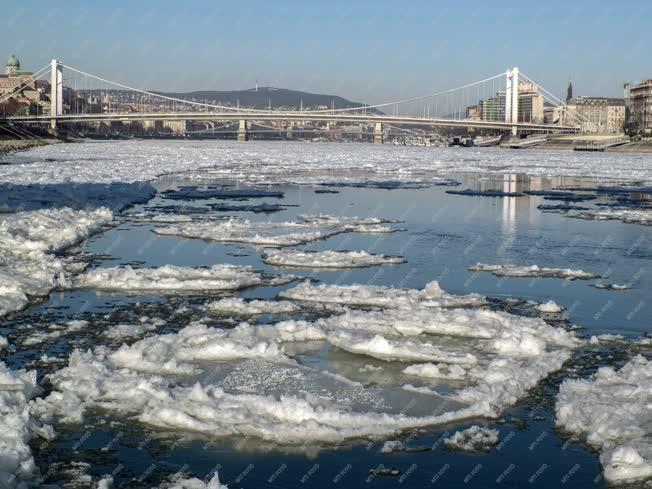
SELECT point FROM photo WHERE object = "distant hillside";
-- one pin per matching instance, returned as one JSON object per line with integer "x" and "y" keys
{"x": 263, "y": 97}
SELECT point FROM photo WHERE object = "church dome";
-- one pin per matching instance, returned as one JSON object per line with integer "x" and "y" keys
{"x": 13, "y": 62}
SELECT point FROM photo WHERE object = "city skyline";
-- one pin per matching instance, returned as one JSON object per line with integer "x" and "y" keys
{"x": 366, "y": 52}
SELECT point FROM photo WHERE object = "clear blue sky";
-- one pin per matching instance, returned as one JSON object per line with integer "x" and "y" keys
{"x": 364, "y": 50}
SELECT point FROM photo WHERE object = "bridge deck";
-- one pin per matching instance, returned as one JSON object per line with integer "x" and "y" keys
{"x": 290, "y": 116}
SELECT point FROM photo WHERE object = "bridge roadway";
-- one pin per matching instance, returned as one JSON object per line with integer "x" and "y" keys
{"x": 292, "y": 116}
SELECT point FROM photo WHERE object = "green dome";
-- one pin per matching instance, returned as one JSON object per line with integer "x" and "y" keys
{"x": 13, "y": 62}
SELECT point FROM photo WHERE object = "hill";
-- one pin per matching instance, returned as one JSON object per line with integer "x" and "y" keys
{"x": 266, "y": 97}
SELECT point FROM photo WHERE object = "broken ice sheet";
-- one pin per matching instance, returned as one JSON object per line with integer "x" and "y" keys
{"x": 276, "y": 234}
{"x": 257, "y": 380}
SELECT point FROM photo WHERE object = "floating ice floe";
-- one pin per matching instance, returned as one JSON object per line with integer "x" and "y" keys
{"x": 533, "y": 271}
{"x": 179, "y": 482}
{"x": 220, "y": 193}
{"x": 54, "y": 332}
{"x": 305, "y": 230}
{"x": 327, "y": 259}
{"x": 612, "y": 408}
{"x": 376, "y": 295}
{"x": 392, "y": 446}
{"x": 473, "y": 439}
{"x": 611, "y": 286}
{"x": 632, "y": 216}
{"x": 246, "y": 380}
{"x": 3, "y": 343}
{"x": 28, "y": 241}
{"x": 236, "y": 305}
{"x": 550, "y": 307}
{"x": 170, "y": 278}
{"x": 17, "y": 466}
{"x": 120, "y": 331}
{"x": 595, "y": 340}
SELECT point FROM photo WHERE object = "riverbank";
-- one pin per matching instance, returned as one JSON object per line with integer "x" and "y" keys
{"x": 8, "y": 145}
{"x": 568, "y": 143}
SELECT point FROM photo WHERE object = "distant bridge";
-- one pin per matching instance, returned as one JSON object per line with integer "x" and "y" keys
{"x": 365, "y": 115}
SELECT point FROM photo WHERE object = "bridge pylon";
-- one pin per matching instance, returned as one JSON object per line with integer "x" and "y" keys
{"x": 378, "y": 133}
{"x": 243, "y": 135}
{"x": 511, "y": 98}
{"x": 56, "y": 92}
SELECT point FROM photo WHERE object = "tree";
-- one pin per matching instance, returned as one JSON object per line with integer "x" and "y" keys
{"x": 631, "y": 126}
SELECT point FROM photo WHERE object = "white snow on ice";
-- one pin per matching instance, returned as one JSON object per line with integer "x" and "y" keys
{"x": 376, "y": 295}
{"x": 17, "y": 465}
{"x": 550, "y": 307}
{"x": 271, "y": 162}
{"x": 27, "y": 243}
{"x": 473, "y": 439}
{"x": 532, "y": 271}
{"x": 305, "y": 230}
{"x": 613, "y": 410}
{"x": 236, "y": 305}
{"x": 632, "y": 216}
{"x": 179, "y": 482}
{"x": 169, "y": 278}
{"x": 327, "y": 259}
{"x": 274, "y": 398}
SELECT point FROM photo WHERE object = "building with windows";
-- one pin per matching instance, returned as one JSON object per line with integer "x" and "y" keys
{"x": 640, "y": 105}
{"x": 598, "y": 115}
{"x": 28, "y": 95}
{"x": 530, "y": 105}
{"x": 493, "y": 108}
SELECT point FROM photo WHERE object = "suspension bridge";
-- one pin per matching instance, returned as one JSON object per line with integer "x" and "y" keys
{"x": 150, "y": 108}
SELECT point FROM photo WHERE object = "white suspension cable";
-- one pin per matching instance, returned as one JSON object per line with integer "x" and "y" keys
{"x": 223, "y": 107}
{"x": 144, "y": 92}
{"x": 414, "y": 99}
{"x": 27, "y": 81}
{"x": 553, "y": 98}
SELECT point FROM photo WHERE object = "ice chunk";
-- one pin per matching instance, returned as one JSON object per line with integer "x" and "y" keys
{"x": 436, "y": 371}
{"x": 533, "y": 271}
{"x": 550, "y": 307}
{"x": 327, "y": 259}
{"x": 169, "y": 278}
{"x": 307, "y": 229}
{"x": 180, "y": 482}
{"x": 375, "y": 295}
{"x": 473, "y": 439}
{"x": 612, "y": 408}
{"x": 378, "y": 346}
{"x": 120, "y": 331}
{"x": 17, "y": 466}
{"x": 27, "y": 243}
{"x": 594, "y": 340}
{"x": 236, "y": 305}
{"x": 612, "y": 286}
{"x": 392, "y": 446}
{"x": 633, "y": 216}
{"x": 55, "y": 331}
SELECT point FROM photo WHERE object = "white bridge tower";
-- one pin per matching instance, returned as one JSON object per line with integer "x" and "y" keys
{"x": 56, "y": 92}
{"x": 511, "y": 98}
